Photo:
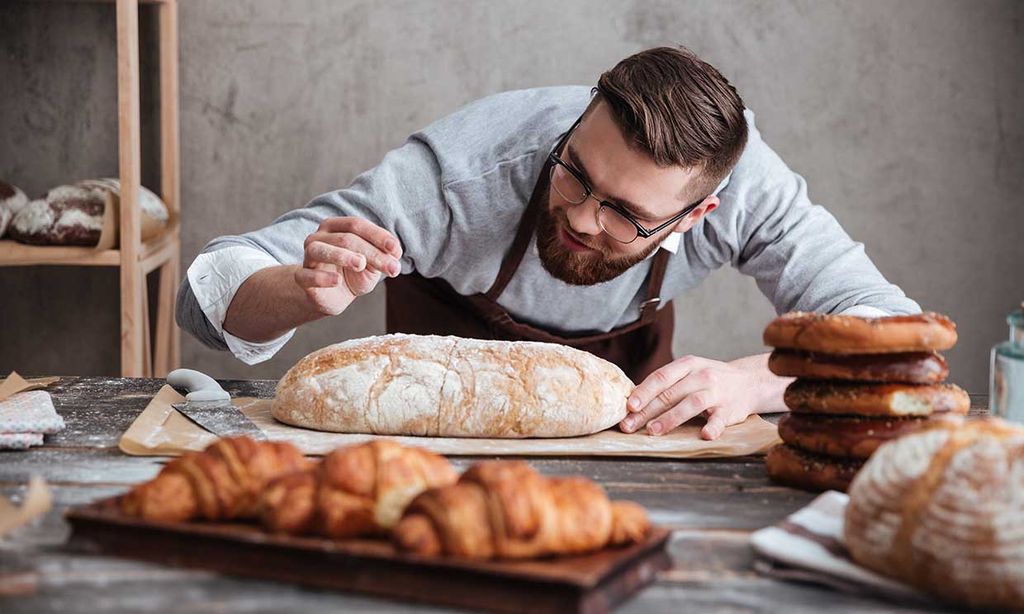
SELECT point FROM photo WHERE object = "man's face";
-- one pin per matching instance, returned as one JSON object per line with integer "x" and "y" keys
{"x": 572, "y": 245}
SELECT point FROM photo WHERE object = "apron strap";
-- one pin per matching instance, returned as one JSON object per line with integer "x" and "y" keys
{"x": 524, "y": 235}
{"x": 649, "y": 307}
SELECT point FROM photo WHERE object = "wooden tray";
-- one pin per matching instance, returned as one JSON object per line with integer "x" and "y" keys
{"x": 591, "y": 583}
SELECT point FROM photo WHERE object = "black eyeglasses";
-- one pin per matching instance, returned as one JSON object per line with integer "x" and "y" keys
{"x": 613, "y": 219}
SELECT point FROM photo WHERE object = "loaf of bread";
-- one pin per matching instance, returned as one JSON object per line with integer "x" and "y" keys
{"x": 908, "y": 368}
{"x": 454, "y": 387}
{"x": 848, "y": 437}
{"x": 356, "y": 490}
{"x": 73, "y": 214}
{"x": 790, "y": 465}
{"x": 873, "y": 399}
{"x": 839, "y": 334}
{"x": 12, "y": 200}
{"x": 943, "y": 510}
{"x": 505, "y": 509}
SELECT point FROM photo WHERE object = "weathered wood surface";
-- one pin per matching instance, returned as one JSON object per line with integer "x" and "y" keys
{"x": 712, "y": 505}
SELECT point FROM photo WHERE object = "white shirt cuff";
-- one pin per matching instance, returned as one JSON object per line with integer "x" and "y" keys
{"x": 864, "y": 311}
{"x": 215, "y": 278}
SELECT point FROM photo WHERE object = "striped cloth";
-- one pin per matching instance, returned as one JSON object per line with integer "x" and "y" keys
{"x": 808, "y": 547}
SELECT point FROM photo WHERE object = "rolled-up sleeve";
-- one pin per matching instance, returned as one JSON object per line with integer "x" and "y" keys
{"x": 402, "y": 194}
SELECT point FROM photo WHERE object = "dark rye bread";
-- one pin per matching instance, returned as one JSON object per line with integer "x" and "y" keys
{"x": 882, "y": 400}
{"x": 815, "y": 472}
{"x": 838, "y": 334}
{"x": 72, "y": 215}
{"x": 12, "y": 200}
{"x": 910, "y": 368}
{"x": 67, "y": 215}
{"x": 854, "y": 437}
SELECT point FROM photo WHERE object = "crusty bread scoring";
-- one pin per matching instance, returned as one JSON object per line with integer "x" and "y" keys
{"x": 943, "y": 510}
{"x": 837, "y": 334}
{"x": 452, "y": 387}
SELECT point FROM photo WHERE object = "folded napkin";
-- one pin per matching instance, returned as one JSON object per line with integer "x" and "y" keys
{"x": 808, "y": 547}
{"x": 25, "y": 416}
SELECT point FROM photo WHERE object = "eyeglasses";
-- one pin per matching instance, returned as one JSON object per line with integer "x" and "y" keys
{"x": 612, "y": 218}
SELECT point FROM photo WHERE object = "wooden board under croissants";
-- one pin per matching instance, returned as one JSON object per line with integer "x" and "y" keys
{"x": 590, "y": 583}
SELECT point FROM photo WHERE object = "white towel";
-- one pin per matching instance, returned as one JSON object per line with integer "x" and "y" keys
{"x": 25, "y": 417}
{"x": 808, "y": 546}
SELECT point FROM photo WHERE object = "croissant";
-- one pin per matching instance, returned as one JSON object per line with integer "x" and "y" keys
{"x": 222, "y": 482}
{"x": 943, "y": 510}
{"x": 505, "y": 509}
{"x": 357, "y": 490}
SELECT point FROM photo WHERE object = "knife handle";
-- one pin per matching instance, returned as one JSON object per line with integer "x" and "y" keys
{"x": 200, "y": 387}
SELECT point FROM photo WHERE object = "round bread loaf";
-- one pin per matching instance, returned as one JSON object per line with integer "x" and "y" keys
{"x": 943, "y": 510}
{"x": 452, "y": 387}
{"x": 12, "y": 200}
{"x": 894, "y": 400}
{"x": 911, "y": 368}
{"x": 838, "y": 334}
{"x": 815, "y": 472}
{"x": 73, "y": 214}
{"x": 853, "y": 437}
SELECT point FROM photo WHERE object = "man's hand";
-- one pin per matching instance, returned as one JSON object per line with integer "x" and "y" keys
{"x": 345, "y": 259}
{"x": 726, "y": 392}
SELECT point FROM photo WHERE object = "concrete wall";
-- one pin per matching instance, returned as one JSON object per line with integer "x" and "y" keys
{"x": 905, "y": 118}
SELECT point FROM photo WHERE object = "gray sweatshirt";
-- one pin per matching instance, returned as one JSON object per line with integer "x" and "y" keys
{"x": 453, "y": 194}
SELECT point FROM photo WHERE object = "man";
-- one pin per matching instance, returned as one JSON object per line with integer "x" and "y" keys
{"x": 563, "y": 215}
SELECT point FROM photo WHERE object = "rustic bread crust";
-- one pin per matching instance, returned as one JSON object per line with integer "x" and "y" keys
{"x": 881, "y": 400}
{"x": 909, "y": 368}
{"x": 941, "y": 509}
{"x": 452, "y": 387}
{"x": 838, "y": 334}
{"x": 815, "y": 472}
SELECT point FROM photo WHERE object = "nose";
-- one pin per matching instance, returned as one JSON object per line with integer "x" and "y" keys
{"x": 583, "y": 217}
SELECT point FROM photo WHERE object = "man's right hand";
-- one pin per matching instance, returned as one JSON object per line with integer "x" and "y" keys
{"x": 344, "y": 259}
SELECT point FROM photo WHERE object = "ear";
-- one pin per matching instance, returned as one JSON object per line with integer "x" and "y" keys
{"x": 707, "y": 206}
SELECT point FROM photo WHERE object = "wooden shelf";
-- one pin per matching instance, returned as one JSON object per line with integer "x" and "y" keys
{"x": 153, "y": 253}
{"x": 142, "y": 353}
{"x": 105, "y": 1}
{"x": 18, "y": 254}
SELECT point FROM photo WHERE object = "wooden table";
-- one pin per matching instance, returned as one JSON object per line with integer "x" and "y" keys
{"x": 713, "y": 506}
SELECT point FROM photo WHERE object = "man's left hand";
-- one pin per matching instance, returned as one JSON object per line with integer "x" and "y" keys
{"x": 726, "y": 392}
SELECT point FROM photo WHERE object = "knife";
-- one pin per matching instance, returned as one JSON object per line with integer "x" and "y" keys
{"x": 209, "y": 405}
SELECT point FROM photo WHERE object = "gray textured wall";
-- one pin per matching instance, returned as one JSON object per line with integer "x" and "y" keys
{"x": 905, "y": 118}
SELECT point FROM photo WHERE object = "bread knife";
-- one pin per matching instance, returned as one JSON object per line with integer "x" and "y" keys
{"x": 209, "y": 405}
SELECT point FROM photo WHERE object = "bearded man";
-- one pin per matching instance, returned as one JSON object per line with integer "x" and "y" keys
{"x": 568, "y": 215}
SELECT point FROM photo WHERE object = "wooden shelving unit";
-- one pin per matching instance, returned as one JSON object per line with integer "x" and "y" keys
{"x": 140, "y": 357}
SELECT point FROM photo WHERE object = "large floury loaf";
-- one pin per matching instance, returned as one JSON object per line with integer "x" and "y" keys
{"x": 943, "y": 509}
{"x": 452, "y": 387}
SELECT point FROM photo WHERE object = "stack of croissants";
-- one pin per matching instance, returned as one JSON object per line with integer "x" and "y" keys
{"x": 495, "y": 509}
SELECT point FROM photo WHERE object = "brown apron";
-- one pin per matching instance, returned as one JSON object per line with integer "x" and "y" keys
{"x": 430, "y": 306}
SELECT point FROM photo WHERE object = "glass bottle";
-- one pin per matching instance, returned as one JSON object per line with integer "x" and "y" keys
{"x": 1006, "y": 390}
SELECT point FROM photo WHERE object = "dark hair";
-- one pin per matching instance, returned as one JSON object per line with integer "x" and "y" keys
{"x": 679, "y": 109}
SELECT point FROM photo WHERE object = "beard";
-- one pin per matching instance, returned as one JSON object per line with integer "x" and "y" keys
{"x": 579, "y": 268}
